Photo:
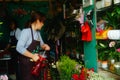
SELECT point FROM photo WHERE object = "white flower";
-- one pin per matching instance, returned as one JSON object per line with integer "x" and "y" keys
{"x": 112, "y": 44}
{"x": 97, "y": 76}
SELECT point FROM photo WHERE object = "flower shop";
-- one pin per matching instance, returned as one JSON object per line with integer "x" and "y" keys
{"x": 78, "y": 40}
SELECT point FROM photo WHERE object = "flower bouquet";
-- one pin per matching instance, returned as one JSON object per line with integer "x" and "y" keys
{"x": 89, "y": 74}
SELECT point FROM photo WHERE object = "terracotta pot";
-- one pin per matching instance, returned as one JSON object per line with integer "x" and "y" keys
{"x": 104, "y": 64}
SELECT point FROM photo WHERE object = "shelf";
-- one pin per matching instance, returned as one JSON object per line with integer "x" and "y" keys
{"x": 103, "y": 9}
{"x": 115, "y": 71}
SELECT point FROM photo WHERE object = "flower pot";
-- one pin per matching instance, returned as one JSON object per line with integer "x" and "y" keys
{"x": 104, "y": 64}
{"x": 117, "y": 65}
{"x": 107, "y": 2}
{"x": 112, "y": 61}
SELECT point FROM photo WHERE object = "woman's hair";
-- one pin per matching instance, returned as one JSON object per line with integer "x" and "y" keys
{"x": 13, "y": 22}
{"x": 36, "y": 15}
{"x": 27, "y": 24}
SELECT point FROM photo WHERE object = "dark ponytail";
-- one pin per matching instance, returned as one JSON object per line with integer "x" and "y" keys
{"x": 36, "y": 15}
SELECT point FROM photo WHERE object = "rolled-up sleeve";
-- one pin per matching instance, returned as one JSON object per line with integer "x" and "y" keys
{"x": 21, "y": 45}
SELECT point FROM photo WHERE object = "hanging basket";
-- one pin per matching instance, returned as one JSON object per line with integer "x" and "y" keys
{"x": 113, "y": 34}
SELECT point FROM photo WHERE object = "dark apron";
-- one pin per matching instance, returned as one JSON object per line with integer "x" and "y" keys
{"x": 26, "y": 64}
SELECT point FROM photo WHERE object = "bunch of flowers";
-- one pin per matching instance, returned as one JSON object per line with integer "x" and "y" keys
{"x": 3, "y": 77}
{"x": 83, "y": 74}
{"x": 89, "y": 74}
{"x": 108, "y": 50}
{"x": 114, "y": 51}
{"x": 97, "y": 76}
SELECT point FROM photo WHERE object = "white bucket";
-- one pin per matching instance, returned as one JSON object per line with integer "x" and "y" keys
{"x": 113, "y": 34}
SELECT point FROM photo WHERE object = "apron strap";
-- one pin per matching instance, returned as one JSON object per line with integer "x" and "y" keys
{"x": 32, "y": 34}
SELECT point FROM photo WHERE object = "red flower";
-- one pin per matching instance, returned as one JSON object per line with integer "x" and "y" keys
{"x": 75, "y": 77}
{"x": 91, "y": 69}
{"x": 82, "y": 77}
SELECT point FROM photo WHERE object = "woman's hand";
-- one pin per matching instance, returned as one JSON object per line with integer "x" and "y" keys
{"x": 35, "y": 57}
{"x": 46, "y": 47}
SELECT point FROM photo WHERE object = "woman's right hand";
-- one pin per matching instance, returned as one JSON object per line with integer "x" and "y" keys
{"x": 35, "y": 57}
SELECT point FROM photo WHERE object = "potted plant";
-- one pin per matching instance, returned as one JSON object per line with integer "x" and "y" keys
{"x": 102, "y": 51}
{"x": 103, "y": 54}
{"x": 113, "y": 17}
{"x": 114, "y": 51}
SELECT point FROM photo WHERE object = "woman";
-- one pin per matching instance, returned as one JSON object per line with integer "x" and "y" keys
{"x": 14, "y": 34}
{"x": 30, "y": 41}
{"x": 11, "y": 47}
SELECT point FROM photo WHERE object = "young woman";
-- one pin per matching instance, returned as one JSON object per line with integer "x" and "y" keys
{"x": 11, "y": 47}
{"x": 31, "y": 40}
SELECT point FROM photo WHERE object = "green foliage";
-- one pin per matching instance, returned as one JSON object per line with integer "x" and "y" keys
{"x": 113, "y": 17}
{"x": 66, "y": 67}
{"x": 103, "y": 51}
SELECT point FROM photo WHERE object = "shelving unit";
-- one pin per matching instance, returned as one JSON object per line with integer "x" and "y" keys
{"x": 100, "y": 13}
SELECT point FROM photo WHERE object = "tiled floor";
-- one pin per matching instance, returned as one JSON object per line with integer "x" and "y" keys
{"x": 109, "y": 74}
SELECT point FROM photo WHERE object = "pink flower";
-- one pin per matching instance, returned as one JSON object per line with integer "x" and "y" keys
{"x": 3, "y": 77}
{"x": 112, "y": 44}
{"x": 118, "y": 50}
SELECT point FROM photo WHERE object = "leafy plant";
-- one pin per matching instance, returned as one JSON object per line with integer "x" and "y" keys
{"x": 113, "y": 17}
{"x": 66, "y": 67}
{"x": 107, "y": 50}
{"x": 103, "y": 51}
{"x": 114, "y": 51}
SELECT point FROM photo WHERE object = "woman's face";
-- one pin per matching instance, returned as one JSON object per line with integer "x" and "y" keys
{"x": 39, "y": 24}
{"x": 12, "y": 26}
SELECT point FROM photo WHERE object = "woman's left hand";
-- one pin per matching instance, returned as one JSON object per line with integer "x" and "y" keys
{"x": 46, "y": 47}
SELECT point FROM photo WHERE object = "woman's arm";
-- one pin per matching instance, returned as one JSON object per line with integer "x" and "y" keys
{"x": 43, "y": 45}
{"x": 23, "y": 44}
